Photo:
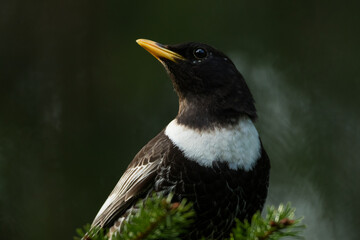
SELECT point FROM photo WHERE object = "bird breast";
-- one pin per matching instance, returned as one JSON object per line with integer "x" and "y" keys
{"x": 238, "y": 145}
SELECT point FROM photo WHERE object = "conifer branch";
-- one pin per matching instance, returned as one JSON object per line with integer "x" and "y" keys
{"x": 158, "y": 218}
{"x": 166, "y": 220}
{"x": 278, "y": 223}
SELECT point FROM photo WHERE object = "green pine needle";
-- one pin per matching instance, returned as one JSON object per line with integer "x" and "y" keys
{"x": 95, "y": 233}
{"x": 159, "y": 218}
{"x": 278, "y": 223}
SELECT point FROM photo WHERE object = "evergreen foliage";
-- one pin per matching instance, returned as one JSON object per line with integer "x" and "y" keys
{"x": 278, "y": 223}
{"x": 158, "y": 218}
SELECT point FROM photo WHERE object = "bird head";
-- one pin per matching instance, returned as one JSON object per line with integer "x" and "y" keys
{"x": 210, "y": 88}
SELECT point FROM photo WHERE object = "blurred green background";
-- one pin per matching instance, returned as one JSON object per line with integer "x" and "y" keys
{"x": 79, "y": 98}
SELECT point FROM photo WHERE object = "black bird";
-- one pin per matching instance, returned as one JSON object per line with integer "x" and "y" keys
{"x": 210, "y": 154}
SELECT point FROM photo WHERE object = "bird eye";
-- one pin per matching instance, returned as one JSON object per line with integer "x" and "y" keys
{"x": 200, "y": 53}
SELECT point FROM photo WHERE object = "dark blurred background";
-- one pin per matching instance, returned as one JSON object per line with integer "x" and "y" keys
{"x": 79, "y": 98}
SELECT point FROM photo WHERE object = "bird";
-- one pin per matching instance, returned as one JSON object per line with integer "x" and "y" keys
{"x": 210, "y": 153}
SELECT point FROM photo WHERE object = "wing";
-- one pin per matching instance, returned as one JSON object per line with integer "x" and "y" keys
{"x": 137, "y": 179}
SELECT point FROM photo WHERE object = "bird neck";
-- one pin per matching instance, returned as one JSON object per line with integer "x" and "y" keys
{"x": 205, "y": 114}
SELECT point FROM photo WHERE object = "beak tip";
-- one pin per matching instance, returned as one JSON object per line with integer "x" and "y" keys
{"x": 139, "y": 41}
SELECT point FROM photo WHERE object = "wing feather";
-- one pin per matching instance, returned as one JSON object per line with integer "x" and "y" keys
{"x": 137, "y": 179}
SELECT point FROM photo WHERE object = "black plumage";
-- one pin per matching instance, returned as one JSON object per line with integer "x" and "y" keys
{"x": 213, "y": 98}
{"x": 219, "y": 194}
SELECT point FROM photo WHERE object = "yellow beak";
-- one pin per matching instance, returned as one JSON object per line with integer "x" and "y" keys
{"x": 158, "y": 50}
